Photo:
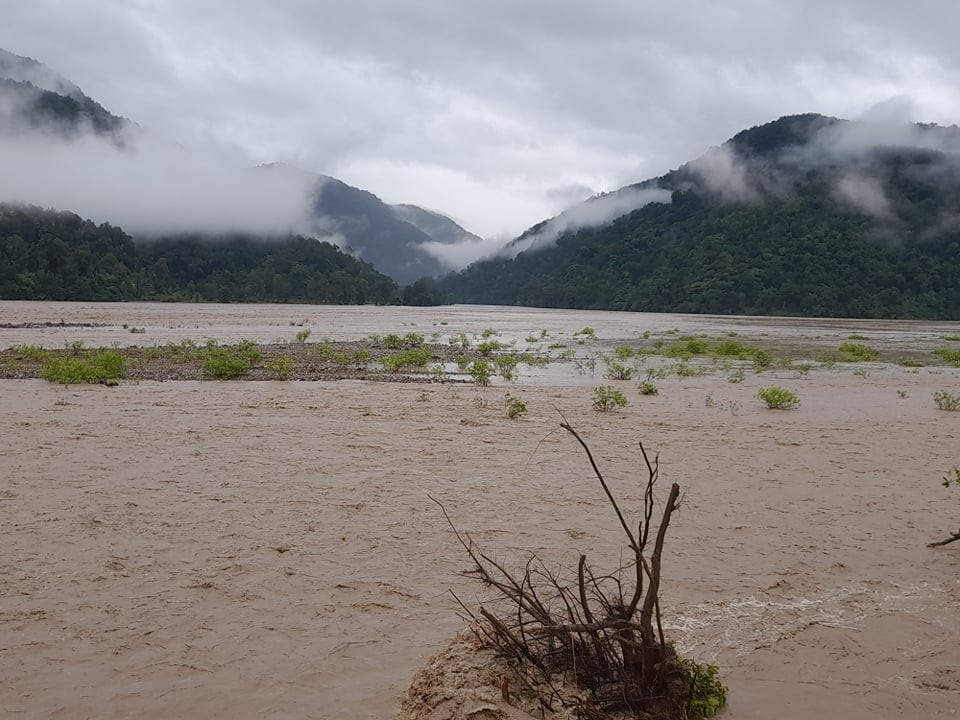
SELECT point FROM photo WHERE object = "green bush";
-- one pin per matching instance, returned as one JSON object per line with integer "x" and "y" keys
{"x": 281, "y": 367}
{"x": 221, "y": 364}
{"x": 415, "y": 357}
{"x": 507, "y": 365}
{"x": 857, "y": 352}
{"x": 488, "y": 346}
{"x": 617, "y": 370}
{"x": 761, "y": 359}
{"x": 909, "y": 362}
{"x": 687, "y": 346}
{"x": 778, "y": 398}
{"x": 480, "y": 371}
{"x": 707, "y": 693}
{"x": 648, "y": 388}
{"x": 515, "y": 407}
{"x": 302, "y": 335}
{"x": 731, "y": 348}
{"x": 105, "y": 366}
{"x": 393, "y": 341}
{"x": 32, "y": 352}
{"x": 950, "y": 356}
{"x": 607, "y": 397}
{"x": 947, "y": 400}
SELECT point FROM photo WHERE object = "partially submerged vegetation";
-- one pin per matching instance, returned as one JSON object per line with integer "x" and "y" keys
{"x": 484, "y": 358}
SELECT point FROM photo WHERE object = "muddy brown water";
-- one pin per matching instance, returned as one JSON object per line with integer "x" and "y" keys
{"x": 267, "y": 549}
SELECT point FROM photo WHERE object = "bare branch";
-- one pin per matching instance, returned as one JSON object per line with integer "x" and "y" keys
{"x": 952, "y": 538}
{"x": 593, "y": 463}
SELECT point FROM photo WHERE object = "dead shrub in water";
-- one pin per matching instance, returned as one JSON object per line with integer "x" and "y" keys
{"x": 602, "y": 631}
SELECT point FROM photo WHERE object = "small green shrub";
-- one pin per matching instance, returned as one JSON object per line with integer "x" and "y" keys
{"x": 683, "y": 370}
{"x": 515, "y": 407}
{"x": 909, "y": 362}
{"x": 857, "y": 336}
{"x": 412, "y": 339}
{"x": 507, "y": 365}
{"x": 281, "y": 367}
{"x": 858, "y": 352}
{"x": 462, "y": 340}
{"x": 950, "y": 356}
{"x": 624, "y": 352}
{"x": 731, "y": 348}
{"x": 686, "y": 347}
{"x": 393, "y": 341}
{"x": 707, "y": 693}
{"x": 737, "y": 376}
{"x": 588, "y": 331}
{"x": 778, "y": 398}
{"x": 947, "y": 400}
{"x": 761, "y": 360}
{"x": 247, "y": 349}
{"x": 416, "y": 357}
{"x": 489, "y": 332}
{"x": 617, "y": 370}
{"x": 360, "y": 357}
{"x": 221, "y": 364}
{"x": 488, "y": 346}
{"x": 302, "y": 335}
{"x": 32, "y": 352}
{"x": 657, "y": 373}
{"x": 105, "y": 366}
{"x": 648, "y": 388}
{"x": 138, "y": 330}
{"x": 950, "y": 338}
{"x": 607, "y": 397}
{"x": 480, "y": 371}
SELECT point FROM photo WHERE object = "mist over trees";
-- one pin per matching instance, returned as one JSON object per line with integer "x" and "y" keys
{"x": 803, "y": 216}
{"x": 54, "y": 255}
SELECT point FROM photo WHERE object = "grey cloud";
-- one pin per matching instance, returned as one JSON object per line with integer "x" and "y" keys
{"x": 865, "y": 194}
{"x": 515, "y": 97}
{"x": 456, "y": 256}
{"x": 595, "y": 211}
{"x": 150, "y": 188}
{"x": 724, "y": 174}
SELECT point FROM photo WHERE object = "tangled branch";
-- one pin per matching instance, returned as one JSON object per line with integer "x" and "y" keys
{"x": 603, "y": 631}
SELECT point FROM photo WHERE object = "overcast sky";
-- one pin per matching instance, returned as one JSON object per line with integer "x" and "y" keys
{"x": 499, "y": 113}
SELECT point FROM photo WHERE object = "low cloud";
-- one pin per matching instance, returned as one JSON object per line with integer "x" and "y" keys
{"x": 865, "y": 194}
{"x": 724, "y": 174}
{"x": 151, "y": 187}
{"x": 456, "y": 256}
{"x": 594, "y": 212}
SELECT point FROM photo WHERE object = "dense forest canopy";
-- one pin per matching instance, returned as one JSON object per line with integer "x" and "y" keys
{"x": 53, "y": 255}
{"x": 802, "y": 216}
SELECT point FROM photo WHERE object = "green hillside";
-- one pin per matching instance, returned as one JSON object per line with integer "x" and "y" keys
{"x": 53, "y": 255}
{"x": 802, "y": 216}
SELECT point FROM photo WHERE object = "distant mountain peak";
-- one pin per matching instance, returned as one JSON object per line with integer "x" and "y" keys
{"x": 34, "y": 97}
{"x": 26, "y": 69}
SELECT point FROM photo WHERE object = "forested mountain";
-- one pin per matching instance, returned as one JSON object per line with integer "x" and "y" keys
{"x": 52, "y": 255}
{"x": 37, "y": 101}
{"x": 806, "y": 215}
{"x": 33, "y": 97}
{"x": 372, "y": 231}
{"x": 439, "y": 227}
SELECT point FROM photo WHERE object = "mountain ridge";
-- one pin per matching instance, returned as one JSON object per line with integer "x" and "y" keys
{"x": 394, "y": 239}
{"x": 806, "y": 215}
